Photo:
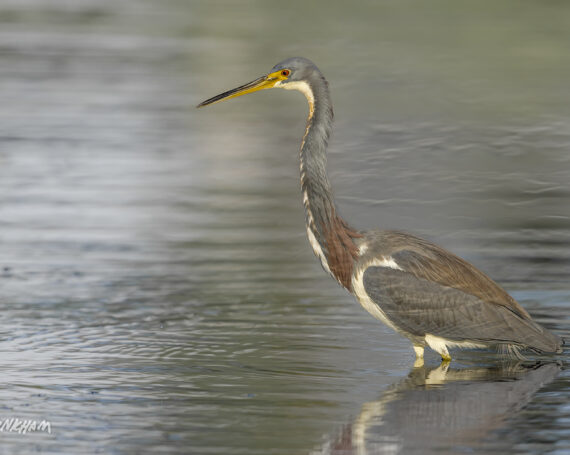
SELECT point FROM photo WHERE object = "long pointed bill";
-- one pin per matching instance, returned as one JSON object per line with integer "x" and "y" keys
{"x": 263, "y": 82}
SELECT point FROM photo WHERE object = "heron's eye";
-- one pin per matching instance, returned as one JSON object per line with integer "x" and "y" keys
{"x": 285, "y": 73}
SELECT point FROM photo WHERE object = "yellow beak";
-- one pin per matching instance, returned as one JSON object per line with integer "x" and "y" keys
{"x": 261, "y": 83}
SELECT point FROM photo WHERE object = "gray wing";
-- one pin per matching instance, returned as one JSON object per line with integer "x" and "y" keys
{"x": 435, "y": 264}
{"x": 419, "y": 306}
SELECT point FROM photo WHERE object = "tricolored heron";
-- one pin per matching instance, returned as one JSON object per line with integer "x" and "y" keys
{"x": 422, "y": 291}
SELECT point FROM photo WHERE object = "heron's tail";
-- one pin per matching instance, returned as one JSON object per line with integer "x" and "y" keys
{"x": 547, "y": 343}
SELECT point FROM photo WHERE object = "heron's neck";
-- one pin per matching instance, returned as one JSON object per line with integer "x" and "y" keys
{"x": 330, "y": 236}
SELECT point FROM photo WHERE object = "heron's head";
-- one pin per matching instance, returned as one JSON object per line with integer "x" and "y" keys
{"x": 292, "y": 74}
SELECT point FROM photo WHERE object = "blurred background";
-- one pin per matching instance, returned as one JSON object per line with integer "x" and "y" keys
{"x": 157, "y": 289}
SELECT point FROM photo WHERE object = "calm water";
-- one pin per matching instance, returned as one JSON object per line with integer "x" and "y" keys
{"x": 157, "y": 289}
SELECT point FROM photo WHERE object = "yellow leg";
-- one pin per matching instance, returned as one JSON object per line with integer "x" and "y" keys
{"x": 419, "y": 362}
{"x": 419, "y": 350}
{"x": 439, "y": 345}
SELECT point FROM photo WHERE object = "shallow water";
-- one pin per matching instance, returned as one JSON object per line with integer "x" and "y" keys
{"x": 158, "y": 291}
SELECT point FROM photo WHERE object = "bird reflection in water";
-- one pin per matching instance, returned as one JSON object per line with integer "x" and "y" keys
{"x": 439, "y": 410}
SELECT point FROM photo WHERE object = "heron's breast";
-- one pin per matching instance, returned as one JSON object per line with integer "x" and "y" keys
{"x": 359, "y": 290}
